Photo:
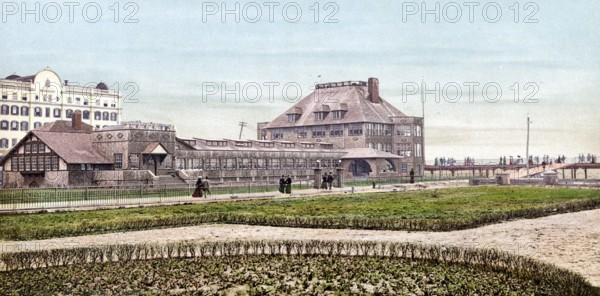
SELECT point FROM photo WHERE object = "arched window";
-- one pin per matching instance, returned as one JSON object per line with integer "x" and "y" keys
{"x": 24, "y": 125}
{"x": 37, "y": 112}
{"x": 24, "y": 111}
{"x": 4, "y": 110}
{"x": 57, "y": 112}
{"x": 14, "y": 110}
{"x": 69, "y": 113}
{"x": 86, "y": 114}
{"x": 104, "y": 115}
{"x": 113, "y": 116}
{"x": 14, "y": 125}
{"x": 4, "y": 125}
{"x": 97, "y": 115}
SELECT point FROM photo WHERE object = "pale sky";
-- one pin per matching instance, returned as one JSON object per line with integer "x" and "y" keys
{"x": 172, "y": 54}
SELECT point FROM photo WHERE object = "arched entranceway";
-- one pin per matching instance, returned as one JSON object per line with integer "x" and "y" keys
{"x": 360, "y": 168}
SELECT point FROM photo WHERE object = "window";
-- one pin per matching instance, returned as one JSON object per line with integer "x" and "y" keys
{"x": 24, "y": 111}
{"x": 318, "y": 132}
{"x": 418, "y": 130}
{"x": 388, "y": 148}
{"x": 4, "y": 110}
{"x": 4, "y": 125}
{"x": 24, "y": 98}
{"x": 14, "y": 125}
{"x": 134, "y": 161}
{"x": 404, "y": 150}
{"x": 288, "y": 145}
{"x": 57, "y": 113}
{"x": 97, "y": 115}
{"x": 355, "y": 130}
{"x": 404, "y": 168}
{"x": 37, "y": 112}
{"x": 27, "y": 148}
{"x": 375, "y": 129}
{"x": 105, "y": 116}
{"x": 337, "y": 131}
{"x": 48, "y": 163}
{"x": 24, "y": 125}
{"x": 86, "y": 102}
{"x": 37, "y": 125}
{"x": 14, "y": 110}
{"x": 308, "y": 145}
{"x": 4, "y": 143}
{"x": 113, "y": 116}
{"x": 86, "y": 114}
{"x": 118, "y": 159}
{"x": 41, "y": 148}
{"x": 267, "y": 144}
{"x": 69, "y": 113}
{"x": 404, "y": 130}
{"x": 302, "y": 134}
{"x": 292, "y": 118}
{"x": 216, "y": 143}
{"x": 275, "y": 164}
{"x": 339, "y": 114}
{"x": 4, "y": 97}
{"x": 47, "y": 112}
{"x": 55, "y": 163}
{"x": 319, "y": 116}
{"x": 277, "y": 134}
{"x": 418, "y": 150}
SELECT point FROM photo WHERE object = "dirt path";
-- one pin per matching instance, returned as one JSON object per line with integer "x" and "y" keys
{"x": 568, "y": 240}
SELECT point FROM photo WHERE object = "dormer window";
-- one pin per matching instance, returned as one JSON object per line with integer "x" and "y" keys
{"x": 338, "y": 114}
{"x": 320, "y": 116}
{"x": 293, "y": 117}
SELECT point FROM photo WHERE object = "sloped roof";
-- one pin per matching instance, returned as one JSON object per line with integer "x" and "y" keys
{"x": 354, "y": 99}
{"x": 65, "y": 126}
{"x": 73, "y": 148}
{"x": 155, "y": 148}
{"x": 366, "y": 153}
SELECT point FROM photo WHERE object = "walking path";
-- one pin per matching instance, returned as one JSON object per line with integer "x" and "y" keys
{"x": 568, "y": 240}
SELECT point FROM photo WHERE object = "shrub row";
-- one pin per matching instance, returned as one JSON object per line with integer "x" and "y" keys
{"x": 489, "y": 259}
{"x": 379, "y": 223}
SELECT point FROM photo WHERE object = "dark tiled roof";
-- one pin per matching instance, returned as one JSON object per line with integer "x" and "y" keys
{"x": 73, "y": 147}
{"x": 354, "y": 99}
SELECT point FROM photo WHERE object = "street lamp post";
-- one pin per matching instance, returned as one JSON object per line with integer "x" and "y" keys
{"x": 527, "y": 148}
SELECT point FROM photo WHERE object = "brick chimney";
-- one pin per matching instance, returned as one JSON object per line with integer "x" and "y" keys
{"x": 76, "y": 120}
{"x": 373, "y": 87}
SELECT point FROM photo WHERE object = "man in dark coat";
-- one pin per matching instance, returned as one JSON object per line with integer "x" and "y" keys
{"x": 288, "y": 185}
{"x": 330, "y": 180}
{"x": 282, "y": 184}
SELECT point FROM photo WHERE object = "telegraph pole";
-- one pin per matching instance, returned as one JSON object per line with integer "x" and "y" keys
{"x": 242, "y": 125}
{"x": 527, "y": 148}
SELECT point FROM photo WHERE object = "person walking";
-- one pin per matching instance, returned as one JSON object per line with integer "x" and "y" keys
{"x": 324, "y": 182}
{"x": 206, "y": 187}
{"x": 198, "y": 189}
{"x": 288, "y": 184}
{"x": 282, "y": 184}
{"x": 330, "y": 180}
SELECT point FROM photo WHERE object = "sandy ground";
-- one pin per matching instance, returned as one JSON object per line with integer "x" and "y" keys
{"x": 570, "y": 240}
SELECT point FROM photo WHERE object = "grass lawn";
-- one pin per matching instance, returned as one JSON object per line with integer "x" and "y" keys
{"x": 433, "y": 210}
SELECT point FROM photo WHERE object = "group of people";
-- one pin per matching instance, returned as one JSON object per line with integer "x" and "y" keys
{"x": 285, "y": 184}
{"x": 589, "y": 158}
{"x": 327, "y": 181}
{"x": 202, "y": 188}
{"x": 444, "y": 161}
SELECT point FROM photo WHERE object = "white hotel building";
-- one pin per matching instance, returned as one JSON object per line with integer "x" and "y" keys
{"x": 27, "y": 102}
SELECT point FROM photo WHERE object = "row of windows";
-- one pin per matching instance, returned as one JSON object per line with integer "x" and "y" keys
{"x": 14, "y": 125}
{"x": 380, "y": 146}
{"x": 406, "y": 150}
{"x": 34, "y": 163}
{"x": 56, "y": 113}
{"x": 35, "y": 148}
{"x": 51, "y": 97}
{"x": 407, "y": 130}
{"x": 247, "y": 164}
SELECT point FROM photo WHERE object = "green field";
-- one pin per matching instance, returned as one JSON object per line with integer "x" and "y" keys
{"x": 283, "y": 268}
{"x": 429, "y": 210}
